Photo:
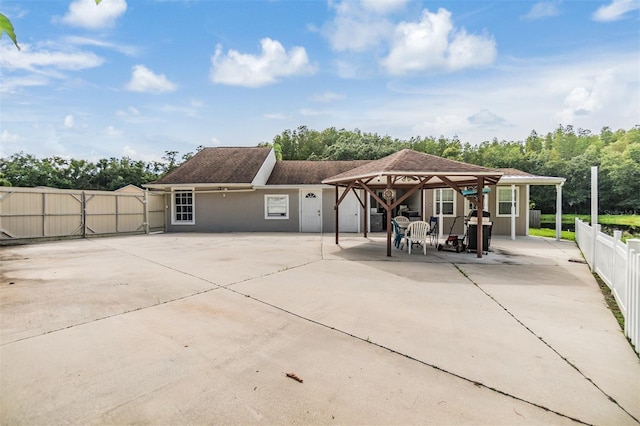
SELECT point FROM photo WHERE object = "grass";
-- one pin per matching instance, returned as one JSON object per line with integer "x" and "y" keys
{"x": 611, "y": 301}
{"x": 605, "y": 219}
{"x": 551, "y": 233}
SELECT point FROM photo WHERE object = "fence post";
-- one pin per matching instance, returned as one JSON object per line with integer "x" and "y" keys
{"x": 84, "y": 214}
{"x": 632, "y": 284}
{"x": 146, "y": 211}
{"x": 594, "y": 212}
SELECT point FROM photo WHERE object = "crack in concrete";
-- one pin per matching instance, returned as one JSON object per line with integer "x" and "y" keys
{"x": 548, "y": 345}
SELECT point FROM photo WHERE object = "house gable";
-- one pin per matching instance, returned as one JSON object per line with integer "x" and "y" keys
{"x": 219, "y": 166}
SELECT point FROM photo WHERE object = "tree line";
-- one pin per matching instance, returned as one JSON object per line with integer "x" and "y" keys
{"x": 565, "y": 152}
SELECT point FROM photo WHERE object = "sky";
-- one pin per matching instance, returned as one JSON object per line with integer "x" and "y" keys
{"x": 137, "y": 78}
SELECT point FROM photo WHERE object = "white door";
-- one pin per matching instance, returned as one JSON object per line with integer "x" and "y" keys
{"x": 311, "y": 211}
{"x": 349, "y": 214}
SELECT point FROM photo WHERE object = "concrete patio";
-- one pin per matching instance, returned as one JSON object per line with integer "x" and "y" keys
{"x": 203, "y": 328}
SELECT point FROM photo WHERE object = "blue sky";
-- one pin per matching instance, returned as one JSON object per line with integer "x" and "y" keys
{"x": 137, "y": 78}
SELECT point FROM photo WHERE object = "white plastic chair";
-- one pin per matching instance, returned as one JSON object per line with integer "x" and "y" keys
{"x": 418, "y": 233}
{"x": 403, "y": 221}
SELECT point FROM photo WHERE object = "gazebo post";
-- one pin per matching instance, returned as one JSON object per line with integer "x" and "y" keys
{"x": 388, "y": 208}
{"x": 366, "y": 213}
{"x": 336, "y": 215}
{"x": 479, "y": 245}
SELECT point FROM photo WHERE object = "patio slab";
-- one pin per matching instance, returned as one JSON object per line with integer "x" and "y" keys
{"x": 202, "y": 328}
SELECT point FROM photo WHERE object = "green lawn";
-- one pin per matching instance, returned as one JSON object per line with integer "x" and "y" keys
{"x": 551, "y": 233}
{"x": 606, "y": 219}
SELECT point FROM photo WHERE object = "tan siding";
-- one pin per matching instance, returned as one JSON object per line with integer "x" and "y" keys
{"x": 48, "y": 212}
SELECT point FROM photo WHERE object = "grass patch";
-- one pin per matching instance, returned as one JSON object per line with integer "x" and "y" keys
{"x": 605, "y": 219}
{"x": 611, "y": 301}
{"x": 551, "y": 233}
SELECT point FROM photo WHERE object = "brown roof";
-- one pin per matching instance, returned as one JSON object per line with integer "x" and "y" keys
{"x": 408, "y": 162}
{"x": 309, "y": 172}
{"x": 508, "y": 171}
{"x": 219, "y": 165}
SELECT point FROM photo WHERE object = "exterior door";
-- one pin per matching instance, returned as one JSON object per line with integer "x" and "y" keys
{"x": 349, "y": 214}
{"x": 311, "y": 211}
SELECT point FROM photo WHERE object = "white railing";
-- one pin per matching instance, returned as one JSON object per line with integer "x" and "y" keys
{"x": 618, "y": 264}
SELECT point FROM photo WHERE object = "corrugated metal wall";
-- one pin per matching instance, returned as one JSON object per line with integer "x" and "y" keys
{"x": 33, "y": 213}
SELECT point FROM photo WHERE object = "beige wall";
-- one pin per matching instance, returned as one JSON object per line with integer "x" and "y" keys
{"x": 244, "y": 212}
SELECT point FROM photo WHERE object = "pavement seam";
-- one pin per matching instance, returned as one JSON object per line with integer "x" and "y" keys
{"x": 217, "y": 286}
{"x": 425, "y": 363}
{"x": 548, "y": 345}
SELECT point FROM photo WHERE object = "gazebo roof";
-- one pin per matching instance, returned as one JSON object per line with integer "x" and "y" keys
{"x": 407, "y": 166}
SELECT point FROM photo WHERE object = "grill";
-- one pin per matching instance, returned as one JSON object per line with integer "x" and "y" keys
{"x": 412, "y": 215}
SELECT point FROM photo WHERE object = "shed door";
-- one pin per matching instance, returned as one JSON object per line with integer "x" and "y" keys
{"x": 349, "y": 214}
{"x": 311, "y": 211}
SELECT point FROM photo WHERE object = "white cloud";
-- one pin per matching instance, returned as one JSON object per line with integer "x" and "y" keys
{"x": 434, "y": 43}
{"x": 145, "y": 80}
{"x": 327, "y": 97}
{"x": 275, "y": 116}
{"x": 358, "y": 26}
{"x": 10, "y": 85}
{"x": 521, "y": 96}
{"x": 615, "y": 10}
{"x": 130, "y": 111}
{"x": 485, "y": 117}
{"x": 113, "y": 132}
{"x": 43, "y": 60}
{"x": 129, "y": 152}
{"x": 274, "y": 62}
{"x": 86, "y": 14}
{"x": 543, "y": 9}
{"x": 601, "y": 88}
{"x": 86, "y": 41}
{"x": 7, "y": 137}
{"x": 383, "y": 6}
{"x": 68, "y": 121}
{"x": 6, "y": 140}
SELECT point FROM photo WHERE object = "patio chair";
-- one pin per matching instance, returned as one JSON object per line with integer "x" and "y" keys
{"x": 418, "y": 233}
{"x": 402, "y": 221}
{"x": 398, "y": 234}
{"x": 434, "y": 232}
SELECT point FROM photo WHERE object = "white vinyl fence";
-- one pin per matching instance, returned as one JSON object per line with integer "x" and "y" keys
{"x": 44, "y": 213}
{"x": 618, "y": 264}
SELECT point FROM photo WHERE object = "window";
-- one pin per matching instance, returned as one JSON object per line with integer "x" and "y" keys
{"x": 448, "y": 202}
{"x": 504, "y": 201}
{"x": 183, "y": 207}
{"x": 276, "y": 207}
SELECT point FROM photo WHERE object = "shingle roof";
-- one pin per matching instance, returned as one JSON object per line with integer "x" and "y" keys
{"x": 219, "y": 165}
{"x": 509, "y": 171}
{"x": 410, "y": 162}
{"x": 309, "y": 172}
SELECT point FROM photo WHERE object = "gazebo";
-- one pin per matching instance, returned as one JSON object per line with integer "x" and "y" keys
{"x": 412, "y": 171}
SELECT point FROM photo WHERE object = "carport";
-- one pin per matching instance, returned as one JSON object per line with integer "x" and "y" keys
{"x": 412, "y": 171}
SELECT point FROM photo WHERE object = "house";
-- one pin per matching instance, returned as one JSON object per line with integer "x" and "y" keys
{"x": 244, "y": 189}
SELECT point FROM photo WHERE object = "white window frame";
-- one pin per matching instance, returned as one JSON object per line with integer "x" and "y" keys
{"x": 436, "y": 203}
{"x": 499, "y": 189}
{"x": 174, "y": 207}
{"x": 273, "y": 215}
